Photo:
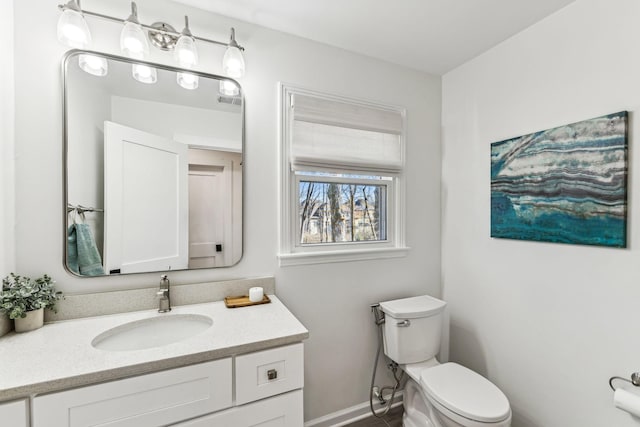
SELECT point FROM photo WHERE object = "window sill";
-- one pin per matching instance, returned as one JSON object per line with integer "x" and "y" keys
{"x": 304, "y": 258}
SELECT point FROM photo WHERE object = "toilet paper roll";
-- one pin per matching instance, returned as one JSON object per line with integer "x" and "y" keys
{"x": 627, "y": 401}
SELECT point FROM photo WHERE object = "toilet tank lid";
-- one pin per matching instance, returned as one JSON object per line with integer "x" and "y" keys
{"x": 413, "y": 308}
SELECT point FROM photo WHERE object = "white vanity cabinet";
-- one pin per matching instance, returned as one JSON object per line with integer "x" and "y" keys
{"x": 14, "y": 414}
{"x": 267, "y": 384}
{"x": 284, "y": 410}
{"x": 269, "y": 372}
{"x": 155, "y": 399}
{"x": 268, "y": 388}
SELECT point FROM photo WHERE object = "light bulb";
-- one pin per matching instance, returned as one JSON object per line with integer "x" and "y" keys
{"x": 73, "y": 29}
{"x": 233, "y": 62}
{"x": 144, "y": 73}
{"x": 228, "y": 88}
{"x": 133, "y": 41}
{"x": 185, "y": 52}
{"x": 94, "y": 65}
{"x": 187, "y": 80}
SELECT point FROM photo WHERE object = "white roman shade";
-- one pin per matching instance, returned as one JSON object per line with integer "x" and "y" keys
{"x": 326, "y": 132}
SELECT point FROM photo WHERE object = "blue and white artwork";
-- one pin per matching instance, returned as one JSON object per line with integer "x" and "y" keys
{"x": 565, "y": 185}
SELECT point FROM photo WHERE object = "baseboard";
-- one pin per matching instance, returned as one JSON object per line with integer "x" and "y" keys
{"x": 350, "y": 415}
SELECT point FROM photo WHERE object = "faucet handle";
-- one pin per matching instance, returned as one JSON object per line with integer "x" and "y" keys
{"x": 164, "y": 282}
{"x": 164, "y": 295}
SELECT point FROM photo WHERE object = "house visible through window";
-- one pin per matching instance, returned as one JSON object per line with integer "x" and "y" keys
{"x": 337, "y": 212}
{"x": 342, "y": 179}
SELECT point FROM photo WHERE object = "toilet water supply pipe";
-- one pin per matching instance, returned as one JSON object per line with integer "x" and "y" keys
{"x": 393, "y": 367}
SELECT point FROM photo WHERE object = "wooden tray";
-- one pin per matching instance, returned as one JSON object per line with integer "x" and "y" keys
{"x": 243, "y": 301}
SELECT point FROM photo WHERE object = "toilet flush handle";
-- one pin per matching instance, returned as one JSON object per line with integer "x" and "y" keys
{"x": 405, "y": 323}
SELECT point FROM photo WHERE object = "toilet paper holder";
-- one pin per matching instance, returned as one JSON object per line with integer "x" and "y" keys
{"x": 635, "y": 380}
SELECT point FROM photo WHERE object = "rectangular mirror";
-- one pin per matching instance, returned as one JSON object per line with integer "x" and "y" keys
{"x": 153, "y": 167}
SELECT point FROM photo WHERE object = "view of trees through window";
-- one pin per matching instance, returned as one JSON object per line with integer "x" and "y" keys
{"x": 341, "y": 212}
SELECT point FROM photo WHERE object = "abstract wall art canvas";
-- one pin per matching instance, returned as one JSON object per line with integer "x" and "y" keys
{"x": 564, "y": 185}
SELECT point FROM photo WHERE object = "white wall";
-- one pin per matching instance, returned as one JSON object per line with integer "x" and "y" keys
{"x": 331, "y": 300}
{"x": 548, "y": 323}
{"x": 6, "y": 141}
{"x": 7, "y": 212}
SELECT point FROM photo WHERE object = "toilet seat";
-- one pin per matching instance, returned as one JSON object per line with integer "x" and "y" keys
{"x": 465, "y": 393}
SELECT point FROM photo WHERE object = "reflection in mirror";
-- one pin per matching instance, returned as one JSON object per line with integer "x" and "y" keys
{"x": 153, "y": 167}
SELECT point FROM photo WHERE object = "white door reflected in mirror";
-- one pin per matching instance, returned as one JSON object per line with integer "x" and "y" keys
{"x": 145, "y": 201}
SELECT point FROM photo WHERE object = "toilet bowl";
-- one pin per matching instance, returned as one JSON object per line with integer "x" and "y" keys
{"x": 437, "y": 395}
{"x": 450, "y": 395}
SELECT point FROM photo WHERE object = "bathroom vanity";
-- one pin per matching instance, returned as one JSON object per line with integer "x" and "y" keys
{"x": 246, "y": 369}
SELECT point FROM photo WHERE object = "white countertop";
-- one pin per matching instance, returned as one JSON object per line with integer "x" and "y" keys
{"x": 60, "y": 356}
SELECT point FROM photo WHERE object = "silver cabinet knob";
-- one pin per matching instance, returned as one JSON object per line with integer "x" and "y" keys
{"x": 272, "y": 374}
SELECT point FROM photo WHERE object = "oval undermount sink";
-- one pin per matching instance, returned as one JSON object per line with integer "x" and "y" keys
{"x": 152, "y": 332}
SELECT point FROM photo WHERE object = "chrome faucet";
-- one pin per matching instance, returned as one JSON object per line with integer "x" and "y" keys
{"x": 164, "y": 295}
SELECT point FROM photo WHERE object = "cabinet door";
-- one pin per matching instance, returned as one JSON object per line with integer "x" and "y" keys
{"x": 284, "y": 410}
{"x": 14, "y": 414}
{"x": 151, "y": 400}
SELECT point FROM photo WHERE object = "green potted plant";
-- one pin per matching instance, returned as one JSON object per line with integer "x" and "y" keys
{"x": 24, "y": 300}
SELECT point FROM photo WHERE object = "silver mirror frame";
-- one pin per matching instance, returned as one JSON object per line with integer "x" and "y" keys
{"x": 65, "y": 114}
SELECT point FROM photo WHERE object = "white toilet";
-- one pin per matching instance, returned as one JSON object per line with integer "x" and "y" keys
{"x": 437, "y": 395}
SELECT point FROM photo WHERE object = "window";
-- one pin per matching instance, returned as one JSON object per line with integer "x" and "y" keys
{"x": 342, "y": 180}
{"x": 332, "y": 210}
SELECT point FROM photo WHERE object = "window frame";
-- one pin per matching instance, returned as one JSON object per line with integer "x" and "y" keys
{"x": 291, "y": 250}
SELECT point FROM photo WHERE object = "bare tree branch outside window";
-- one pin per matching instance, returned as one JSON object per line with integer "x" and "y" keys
{"x": 340, "y": 212}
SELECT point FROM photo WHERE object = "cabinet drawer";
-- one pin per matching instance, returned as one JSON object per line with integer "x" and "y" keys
{"x": 14, "y": 414}
{"x": 280, "y": 411}
{"x": 155, "y": 399}
{"x": 270, "y": 372}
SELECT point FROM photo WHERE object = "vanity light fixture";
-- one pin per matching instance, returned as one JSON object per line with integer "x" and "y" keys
{"x": 134, "y": 44}
{"x": 187, "y": 80}
{"x": 228, "y": 88}
{"x": 144, "y": 73}
{"x": 133, "y": 41}
{"x": 73, "y": 31}
{"x": 185, "y": 52}
{"x": 72, "y": 28}
{"x": 94, "y": 65}
{"x": 233, "y": 62}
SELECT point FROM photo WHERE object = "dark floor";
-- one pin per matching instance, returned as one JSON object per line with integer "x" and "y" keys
{"x": 393, "y": 419}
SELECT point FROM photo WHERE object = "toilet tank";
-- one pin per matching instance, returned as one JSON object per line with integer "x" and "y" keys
{"x": 412, "y": 328}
